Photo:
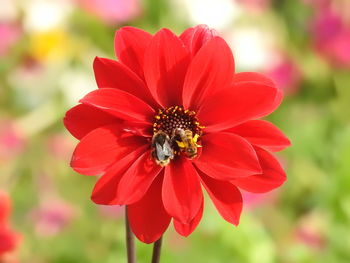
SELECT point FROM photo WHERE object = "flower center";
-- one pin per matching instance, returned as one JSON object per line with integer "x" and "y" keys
{"x": 175, "y": 132}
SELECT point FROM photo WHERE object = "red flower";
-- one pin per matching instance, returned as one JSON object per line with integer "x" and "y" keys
{"x": 8, "y": 238}
{"x": 170, "y": 117}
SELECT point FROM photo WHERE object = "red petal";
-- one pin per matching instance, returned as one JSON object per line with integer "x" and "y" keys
{"x": 165, "y": 65}
{"x": 237, "y": 104}
{"x": 101, "y": 147}
{"x": 137, "y": 179}
{"x": 120, "y": 104}
{"x": 148, "y": 218}
{"x": 105, "y": 190}
{"x": 82, "y": 119}
{"x": 248, "y": 77}
{"x": 195, "y": 37}
{"x": 253, "y": 77}
{"x": 112, "y": 74}
{"x": 182, "y": 193}
{"x": 226, "y": 156}
{"x": 136, "y": 128}
{"x": 210, "y": 71}
{"x": 187, "y": 229}
{"x": 262, "y": 133}
{"x": 278, "y": 100}
{"x": 130, "y": 44}
{"x": 272, "y": 177}
{"x": 225, "y": 196}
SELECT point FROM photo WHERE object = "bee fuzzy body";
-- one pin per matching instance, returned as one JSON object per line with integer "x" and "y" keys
{"x": 162, "y": 151}
{"x": 186, "y": 142}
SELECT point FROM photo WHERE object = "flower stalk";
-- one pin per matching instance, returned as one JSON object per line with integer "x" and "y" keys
{"x": 130, "y": 240}
{"x": 156, "y": 250}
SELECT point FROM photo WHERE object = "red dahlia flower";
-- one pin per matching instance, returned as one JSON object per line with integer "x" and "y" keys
{"x": 170, "y": 117}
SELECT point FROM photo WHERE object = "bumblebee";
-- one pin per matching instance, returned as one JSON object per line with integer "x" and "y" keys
{"x": 162, "y": 152}
{"x": 186, "y": 142}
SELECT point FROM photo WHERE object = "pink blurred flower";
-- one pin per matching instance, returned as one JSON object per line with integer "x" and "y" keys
{"x": 12, "y": 142}
{"x": 326, "y": 24}
{"x": 112, "y": 11}
{"x": 253, "y": 200}
{"x": 310, "y": 232}
{"x": 331, "y": 36}
{"x": 111, "y": 211}
{"x": 60, "y": 146}
{"x": 52, "y": 217}
{"x": 286, "y": 73}
{"x": 9, "y": 35}
{"x": 255, "y": 5}
{"x": 317, "y": 3}
{"x": 310, "y": 238}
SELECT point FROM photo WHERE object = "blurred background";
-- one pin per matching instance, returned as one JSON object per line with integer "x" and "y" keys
{"x": 46, "y": 52}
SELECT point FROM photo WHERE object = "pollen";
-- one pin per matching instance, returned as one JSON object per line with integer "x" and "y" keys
{"x": 176, "y": 117}
{"x": 175, "y": 133}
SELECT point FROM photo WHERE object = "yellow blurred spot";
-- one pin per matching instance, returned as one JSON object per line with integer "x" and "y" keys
{"x": 50, "y": 45}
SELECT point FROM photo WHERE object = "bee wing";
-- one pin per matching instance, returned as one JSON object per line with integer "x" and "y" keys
{"x": 160, "y": 152}
{"x": 167, "y": 150}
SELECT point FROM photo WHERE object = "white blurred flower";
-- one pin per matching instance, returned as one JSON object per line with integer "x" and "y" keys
{"x": 76, "y": 84}
{"x": 214, "y": 13}
{"x": 8, "y": 11}
{"x": 252, "y": 47}
{"x": 43, "y": 15}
